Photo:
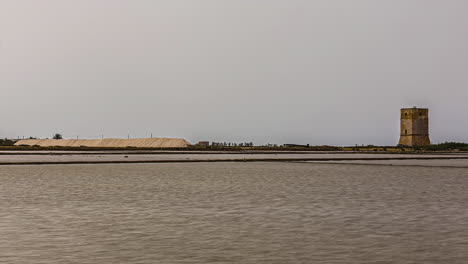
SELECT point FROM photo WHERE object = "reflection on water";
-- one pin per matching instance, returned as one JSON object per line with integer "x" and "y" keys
{"x": 233, "y": 213}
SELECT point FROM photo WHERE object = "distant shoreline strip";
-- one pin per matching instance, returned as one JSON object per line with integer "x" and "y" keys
{"x": 329, "y": 160}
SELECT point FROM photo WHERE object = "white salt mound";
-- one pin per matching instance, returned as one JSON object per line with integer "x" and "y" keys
{"x": 108, "y": 143}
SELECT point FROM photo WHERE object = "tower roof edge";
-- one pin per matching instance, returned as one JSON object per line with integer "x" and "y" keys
{"x": 414, "y": 108}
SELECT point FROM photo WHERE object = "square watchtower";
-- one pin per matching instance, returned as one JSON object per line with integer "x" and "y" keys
{"x": 414, "y": 127}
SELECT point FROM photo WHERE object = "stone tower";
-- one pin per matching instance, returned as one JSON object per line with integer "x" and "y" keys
{"x": 414, "y": 127}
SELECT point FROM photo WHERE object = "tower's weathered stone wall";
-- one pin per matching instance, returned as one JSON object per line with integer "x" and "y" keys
{"x": 414, "y": 127}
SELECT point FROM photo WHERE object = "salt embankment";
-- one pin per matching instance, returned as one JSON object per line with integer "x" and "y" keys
{"x": 107, "y": 143}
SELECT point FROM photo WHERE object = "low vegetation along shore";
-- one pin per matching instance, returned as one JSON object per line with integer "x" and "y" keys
{"x": 449, "y": 146}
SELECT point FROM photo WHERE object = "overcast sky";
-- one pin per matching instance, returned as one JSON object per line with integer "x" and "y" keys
{"x": 281, "y": 71}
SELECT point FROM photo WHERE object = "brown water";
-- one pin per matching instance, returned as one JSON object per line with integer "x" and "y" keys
{"x": 233, "y": 213}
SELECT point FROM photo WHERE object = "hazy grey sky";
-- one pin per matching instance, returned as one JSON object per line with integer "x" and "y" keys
{"x": 283, "y": 71}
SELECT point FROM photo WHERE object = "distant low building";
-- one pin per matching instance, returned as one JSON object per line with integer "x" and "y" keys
{"x": 203, "y": 143}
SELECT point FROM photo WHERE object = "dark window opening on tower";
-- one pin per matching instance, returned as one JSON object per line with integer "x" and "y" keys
{"x": 406, "y": 132}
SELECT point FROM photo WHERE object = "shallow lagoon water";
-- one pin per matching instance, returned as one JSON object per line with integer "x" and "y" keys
{"x": 233, "y": 213}
{"x": 38, "y": 157}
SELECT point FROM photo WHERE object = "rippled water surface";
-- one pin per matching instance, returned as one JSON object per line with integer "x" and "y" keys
{"x": 233, "y": 213}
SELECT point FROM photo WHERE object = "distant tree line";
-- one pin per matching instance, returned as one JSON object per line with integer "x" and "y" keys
{"x": 447, "y": 146}
{"x": 6, "y": 142}
{"x": 230, "y": 144}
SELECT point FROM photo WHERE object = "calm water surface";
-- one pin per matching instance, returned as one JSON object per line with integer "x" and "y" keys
{"x": 77, "y": 156}
{"x": 233, "y": 213}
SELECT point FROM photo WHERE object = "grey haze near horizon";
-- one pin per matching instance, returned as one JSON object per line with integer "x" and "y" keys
{"x": 296, "y": 71}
